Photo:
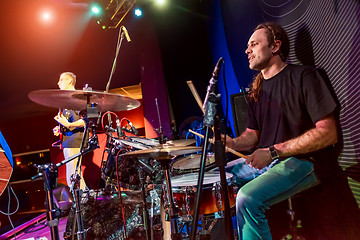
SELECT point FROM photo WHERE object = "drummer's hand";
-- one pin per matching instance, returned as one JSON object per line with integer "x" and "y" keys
{"x": 56, "y": 131}
{"x": 229, "y": 141}
{"x": 62, "y": 120}
{"x": 260, "y": 158}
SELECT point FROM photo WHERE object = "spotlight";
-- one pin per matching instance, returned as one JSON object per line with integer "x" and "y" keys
{"x": 95, "y": 9}
{"x": 138, "y": 12}
{"x": 46, "y": 16}
{"x": 160, "y": 2}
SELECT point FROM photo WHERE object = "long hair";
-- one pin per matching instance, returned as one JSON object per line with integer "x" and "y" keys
{"x": 273, "y": 32}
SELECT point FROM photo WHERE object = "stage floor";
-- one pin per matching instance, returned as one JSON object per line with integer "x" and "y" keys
{"x": 35, "y": 231}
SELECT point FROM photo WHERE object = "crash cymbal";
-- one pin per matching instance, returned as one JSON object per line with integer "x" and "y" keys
{"x": 77, "y": 100}
{"x": 163, "y": 151}
{"x": 133, "y": 144}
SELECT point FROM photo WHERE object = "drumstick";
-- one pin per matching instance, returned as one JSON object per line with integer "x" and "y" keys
{"x": 196, "y": 95}
{"x": 227, "y": 148}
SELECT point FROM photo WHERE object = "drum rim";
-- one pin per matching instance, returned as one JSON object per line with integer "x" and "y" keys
{"x": 182, "y": 184}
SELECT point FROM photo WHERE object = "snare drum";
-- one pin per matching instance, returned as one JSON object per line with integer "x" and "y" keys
{"x": 184, "y": 189}
{"x": 191, "y": 163}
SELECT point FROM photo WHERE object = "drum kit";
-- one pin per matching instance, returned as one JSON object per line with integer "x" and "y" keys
{"x": 135, "y": 166}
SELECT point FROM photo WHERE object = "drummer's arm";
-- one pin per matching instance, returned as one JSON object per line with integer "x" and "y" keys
{"x": 246, "y": 141}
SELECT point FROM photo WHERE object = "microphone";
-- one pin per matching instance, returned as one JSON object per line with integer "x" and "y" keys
{"x": 217, "y": 68}
{"x": 118, "y": 127}
{"x": 133, "y": 129}
{"x": 126, "y": 34}
{"x": 213, "y": 79}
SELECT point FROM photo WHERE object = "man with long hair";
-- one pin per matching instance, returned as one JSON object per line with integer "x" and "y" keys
{"x": 291, "y": 123}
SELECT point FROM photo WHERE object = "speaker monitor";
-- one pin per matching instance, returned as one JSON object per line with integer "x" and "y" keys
{"x": 239, "y": 110}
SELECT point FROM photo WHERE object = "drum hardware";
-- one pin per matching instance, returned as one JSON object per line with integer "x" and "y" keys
{"x": 211, "y": 120}
{"x": 165, "y": 153}
{"x": 49, "y": 174}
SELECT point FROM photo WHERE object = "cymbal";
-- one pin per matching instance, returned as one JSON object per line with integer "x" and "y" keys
{"x": 77, "y": 100}
{"x": 133, "y": 144}
{"x": 182, "y": 142}
{"x": 153, "y": 142}
{"x": 163, "y": 151}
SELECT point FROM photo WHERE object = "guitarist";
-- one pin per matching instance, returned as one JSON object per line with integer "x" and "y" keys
{"x": 71, "y": 128}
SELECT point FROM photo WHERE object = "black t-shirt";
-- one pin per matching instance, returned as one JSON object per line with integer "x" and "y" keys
{"x": 73, "y": 138}
{"x": 289, "y": 104}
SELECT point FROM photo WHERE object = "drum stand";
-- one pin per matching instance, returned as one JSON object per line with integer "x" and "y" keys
{"x": 49, "y": 174}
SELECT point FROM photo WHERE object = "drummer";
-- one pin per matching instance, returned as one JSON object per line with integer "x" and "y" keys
{"x": 70, "y": 129}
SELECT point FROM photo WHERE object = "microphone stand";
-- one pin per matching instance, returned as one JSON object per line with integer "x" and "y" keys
{"x": 209, "y": 119}
{"x": 49, "y": 174}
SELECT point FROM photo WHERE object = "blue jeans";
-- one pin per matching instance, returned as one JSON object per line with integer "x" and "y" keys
{"x": 262, "y": 188}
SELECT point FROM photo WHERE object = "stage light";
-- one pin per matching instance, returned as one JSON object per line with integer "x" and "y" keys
{"x": 160, "y": 2}
{"x": 138, "y": 12}
{"x": 96, "y": 9}
{"x": 46, "y": 16}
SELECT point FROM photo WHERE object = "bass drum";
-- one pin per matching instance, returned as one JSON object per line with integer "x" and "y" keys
{"x": 101, "y": 215}
{"x": 120, "y": 168}
{"x": 126, "y": 168}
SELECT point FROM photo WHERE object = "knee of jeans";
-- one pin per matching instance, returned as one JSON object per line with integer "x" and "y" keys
{"x": 244, "y": 201}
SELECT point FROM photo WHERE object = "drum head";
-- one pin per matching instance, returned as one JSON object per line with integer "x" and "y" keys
{"x": 191, "y": 179}
{"x": 191, "y": 163}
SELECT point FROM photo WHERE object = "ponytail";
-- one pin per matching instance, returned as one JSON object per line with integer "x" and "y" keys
{"x": 256, "y": 87}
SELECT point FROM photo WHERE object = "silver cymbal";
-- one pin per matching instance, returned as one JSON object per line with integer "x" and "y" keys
{"x": 133, "y": 144}
{"x": 77, "y": 100}
{"x": 153, "y": 142}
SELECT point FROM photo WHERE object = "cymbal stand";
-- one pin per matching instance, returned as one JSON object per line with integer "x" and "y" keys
{"x": 173, "y": 210}
{"x": 147, "y": 225}
{"x": 92, "y": 114}
{"x": 76, "y": 191}
{"x": 165, "y": 162}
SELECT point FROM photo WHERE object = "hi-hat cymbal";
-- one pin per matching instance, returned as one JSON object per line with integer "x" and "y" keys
{"x": 153, "y": 142}
{"x": 163, "y": 151}
{"x": 182, "y": 142}
{"x": 77, "y": 100}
